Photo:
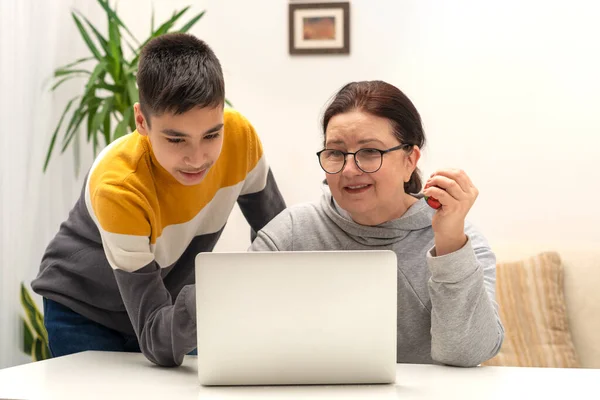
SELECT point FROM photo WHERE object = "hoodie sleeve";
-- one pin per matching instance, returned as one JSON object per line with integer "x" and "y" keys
{"x": 277, "y": 235}
{"x": 465, "y": 325}
{"x": 260, "y": 199}
{"x": 165, "y": 327}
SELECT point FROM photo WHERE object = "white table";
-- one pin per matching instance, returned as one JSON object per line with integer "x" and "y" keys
{"x": 95, "y": 375}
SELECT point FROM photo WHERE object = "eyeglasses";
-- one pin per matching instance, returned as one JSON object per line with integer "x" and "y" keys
{"x": 367, "y": 160}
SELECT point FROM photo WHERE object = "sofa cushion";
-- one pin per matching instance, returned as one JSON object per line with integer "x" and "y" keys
{"x": 582, "y": 292}
{"x": 531, "y": 300}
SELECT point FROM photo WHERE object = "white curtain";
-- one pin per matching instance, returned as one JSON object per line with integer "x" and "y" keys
{"x": 35, "y": 38}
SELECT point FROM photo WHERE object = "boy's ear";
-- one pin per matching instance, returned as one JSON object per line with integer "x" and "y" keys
{"x": 140, "y": 121}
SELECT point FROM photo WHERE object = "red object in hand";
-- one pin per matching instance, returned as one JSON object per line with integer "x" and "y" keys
{"x": 432, "y": 201}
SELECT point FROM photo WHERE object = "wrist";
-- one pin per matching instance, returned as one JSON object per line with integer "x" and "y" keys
{"x": 449, "y": 244}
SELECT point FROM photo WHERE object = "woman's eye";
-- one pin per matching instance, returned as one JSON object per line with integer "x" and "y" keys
{"x": 370, "y": 152}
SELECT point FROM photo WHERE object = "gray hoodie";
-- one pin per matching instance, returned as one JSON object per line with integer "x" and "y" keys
{"x": 447, "y": 312}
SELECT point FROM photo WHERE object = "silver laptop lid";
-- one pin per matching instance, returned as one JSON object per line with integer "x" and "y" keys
{"x": 296, "y": 317}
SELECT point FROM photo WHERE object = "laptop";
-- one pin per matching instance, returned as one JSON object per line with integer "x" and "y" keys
{"x": 296, "y": 318}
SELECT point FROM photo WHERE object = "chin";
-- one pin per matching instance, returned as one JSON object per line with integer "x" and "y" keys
{"x": 356, "y": 206}
{"x": 360, "y": 211}
{"x": 189, "y": 179}
{"x": 184, "y": 183}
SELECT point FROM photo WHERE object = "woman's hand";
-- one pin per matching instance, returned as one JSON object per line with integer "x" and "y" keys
{"x": 456, "y": 193}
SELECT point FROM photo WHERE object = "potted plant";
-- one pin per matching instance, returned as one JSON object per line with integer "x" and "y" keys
{"x": 105, "y": 105}
{"x": 35, "y": 337}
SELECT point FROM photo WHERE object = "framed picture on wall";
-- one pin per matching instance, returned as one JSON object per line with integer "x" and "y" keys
{"x": 319, "y": 28}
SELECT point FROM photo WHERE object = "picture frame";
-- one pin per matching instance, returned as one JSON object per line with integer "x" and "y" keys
{"x": 319, "y": 28}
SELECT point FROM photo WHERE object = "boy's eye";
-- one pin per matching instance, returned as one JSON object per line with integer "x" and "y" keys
{"x": 173, "y": 140}
{"x": 212, "y": 136}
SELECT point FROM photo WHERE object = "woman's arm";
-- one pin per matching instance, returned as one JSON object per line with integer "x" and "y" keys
{"x": 465, "y": 326}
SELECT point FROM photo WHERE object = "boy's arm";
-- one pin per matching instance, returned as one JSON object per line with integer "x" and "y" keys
{"x": 260, "y": 199}
{"x": 261, "y": 206}
{"x": 165, "y": 327}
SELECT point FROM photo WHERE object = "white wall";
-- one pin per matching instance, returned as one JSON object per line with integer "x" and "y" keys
{"x": 35, "y": 37}
{"x": 508, "y": 91}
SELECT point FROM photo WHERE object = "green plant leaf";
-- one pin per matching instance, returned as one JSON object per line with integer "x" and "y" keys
{"x": 42, "y": 333}
{"x": 132, "y": 90}
{"x": 99, "y": 119}
{"x": 121, "y": 129}
{"x": 101, "y": 39}
{"x": 79, "y": 61}
{"x": 192, "y": 22}
{"x": 115, "y": 48}
{"x": 36, "y": 349}
{"x": 33, "y": 314}
{"x": 152, "y": 20}
{"x": 69, "y": 136}
{"x": 77, "y": 154}
{"x": 90, "y": 118}
{"x": 63, "y": 72}
{"x": 228, "y": 103}
{"x": 55, "y": 134}
{"x": 95, "y": 144}
{"x": 78, "y": 117}
{"x": 164, "y": 28}
{"x": 46, "y": 351}
{"x": 40, "y": 350}
{"x": 107, "y": 128}
{"x": 27, "y": 337}
{"x": 63, "y": 80}
{"x": 132, "y": 126}
{"x": 86, "y": 37}
{"x": 112, "y": 14}
{"x": 76, "y": 120}
{"x": 130, "y": 69}
{"x": 100, "y": 68}
{"x": 134, "y": 51}
{"x": 112, "y": 88}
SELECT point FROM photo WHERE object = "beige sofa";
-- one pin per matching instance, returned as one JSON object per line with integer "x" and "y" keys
{"x": 581, "y": 293}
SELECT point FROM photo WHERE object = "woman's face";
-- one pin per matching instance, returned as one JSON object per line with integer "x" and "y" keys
{"x": 370, "y": 198}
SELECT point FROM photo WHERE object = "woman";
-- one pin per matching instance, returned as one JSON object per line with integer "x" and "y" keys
{"x": 447, "y": 312}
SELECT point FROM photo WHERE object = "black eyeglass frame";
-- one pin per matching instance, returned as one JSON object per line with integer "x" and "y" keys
{"x": 381, "y": 152}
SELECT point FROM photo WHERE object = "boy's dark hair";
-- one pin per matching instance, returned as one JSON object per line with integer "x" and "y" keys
{"x": 387, "y": 101}
{"x": 176, "y": 73}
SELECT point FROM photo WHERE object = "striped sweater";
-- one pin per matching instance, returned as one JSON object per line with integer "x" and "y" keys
{"x": 125, "y": 256}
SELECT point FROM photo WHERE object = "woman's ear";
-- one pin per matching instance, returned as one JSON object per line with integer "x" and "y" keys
{"x": 412, "y": 159}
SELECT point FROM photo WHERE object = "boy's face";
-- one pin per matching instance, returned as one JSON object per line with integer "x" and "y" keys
{"x": 186, "y": 145}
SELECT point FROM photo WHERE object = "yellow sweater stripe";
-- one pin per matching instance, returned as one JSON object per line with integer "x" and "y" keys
{"x": 129, "y": 193}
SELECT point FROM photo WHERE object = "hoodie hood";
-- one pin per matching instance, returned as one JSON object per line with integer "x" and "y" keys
{"x": 417, "y": 217}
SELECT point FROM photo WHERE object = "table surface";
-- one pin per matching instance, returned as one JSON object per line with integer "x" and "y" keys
{"x": 92, "y": 375}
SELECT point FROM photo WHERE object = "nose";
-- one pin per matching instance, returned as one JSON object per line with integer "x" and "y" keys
{"x": 350, "y": 168}
{"x": 195, "y": 157}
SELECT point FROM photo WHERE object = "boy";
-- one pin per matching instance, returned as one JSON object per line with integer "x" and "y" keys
{"x": 119, "y": 274}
